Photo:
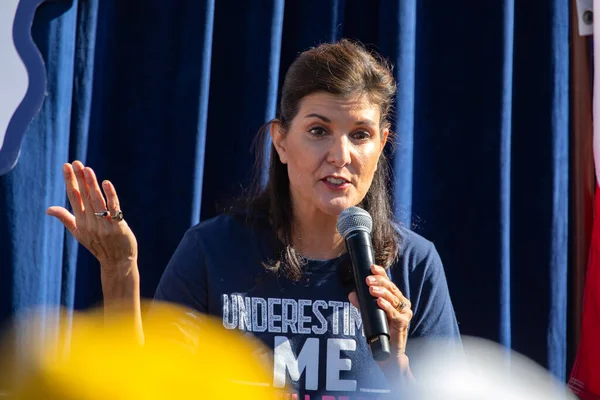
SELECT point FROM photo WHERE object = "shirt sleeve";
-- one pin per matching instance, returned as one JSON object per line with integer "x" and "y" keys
{"x": 433, "y": 332}
{"x": 184, "y": 280}
{"x": 434, "y": 315}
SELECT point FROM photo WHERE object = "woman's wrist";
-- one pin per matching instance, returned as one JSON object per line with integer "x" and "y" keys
{"x": 399, "y": 376}
{"x": 120, "y": 282}
{"x": 398, "y": 370}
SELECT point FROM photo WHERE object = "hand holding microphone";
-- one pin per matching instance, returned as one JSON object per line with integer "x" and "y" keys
{"x": 385, "y": 311}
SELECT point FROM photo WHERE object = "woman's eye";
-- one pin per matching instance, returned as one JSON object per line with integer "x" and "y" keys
{"x": 318, "y": 132}
{"x": 361, "y": 135}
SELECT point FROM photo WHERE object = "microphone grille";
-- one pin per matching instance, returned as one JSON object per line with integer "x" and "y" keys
{"x": 354, "y": 219}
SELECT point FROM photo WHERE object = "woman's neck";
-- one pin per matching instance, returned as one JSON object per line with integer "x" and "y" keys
{"x": 315, "y": 236}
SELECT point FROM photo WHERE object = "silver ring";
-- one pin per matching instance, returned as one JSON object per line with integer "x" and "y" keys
{"x": 118, "y": 215}
{"x": 103, "y": 214}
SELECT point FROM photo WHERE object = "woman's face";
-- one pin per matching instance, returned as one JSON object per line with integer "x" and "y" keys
{"x": 331, "y": 150}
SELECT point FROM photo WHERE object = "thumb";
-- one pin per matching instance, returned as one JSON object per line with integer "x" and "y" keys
{"x": 353, "y": 299}
{"x": 65, "y": 217}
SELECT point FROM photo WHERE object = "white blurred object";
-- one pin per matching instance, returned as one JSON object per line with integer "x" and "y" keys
{"x": 484, "y": 371}
{"x": 14, "y": 79}
{"x": 585, "y": 17}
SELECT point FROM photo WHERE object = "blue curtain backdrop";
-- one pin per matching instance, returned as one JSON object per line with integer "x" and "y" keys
{"x": 164, "y": 98}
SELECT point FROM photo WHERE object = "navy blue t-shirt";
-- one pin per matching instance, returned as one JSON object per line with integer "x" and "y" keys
{"x": 314, "y": 332}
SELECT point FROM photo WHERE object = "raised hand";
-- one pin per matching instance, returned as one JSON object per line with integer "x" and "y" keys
{"x": 97, "y": 220}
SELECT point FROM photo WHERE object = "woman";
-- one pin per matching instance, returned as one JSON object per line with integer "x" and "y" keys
{"x": 277, "y": 266}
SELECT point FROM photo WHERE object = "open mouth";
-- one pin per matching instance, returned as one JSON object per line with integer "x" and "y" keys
{"x": 335, "y": 182}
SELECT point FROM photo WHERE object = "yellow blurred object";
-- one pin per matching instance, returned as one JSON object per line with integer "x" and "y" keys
{"x": 185, "y": 356}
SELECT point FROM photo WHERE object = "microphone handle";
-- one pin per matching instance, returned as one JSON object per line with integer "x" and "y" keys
{"x": 374, "y": 319}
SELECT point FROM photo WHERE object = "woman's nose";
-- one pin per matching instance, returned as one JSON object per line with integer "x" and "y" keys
{"x": 339, "y": 152}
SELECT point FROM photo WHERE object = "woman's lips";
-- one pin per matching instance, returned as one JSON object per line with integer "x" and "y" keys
{"x": 335, "y": 183}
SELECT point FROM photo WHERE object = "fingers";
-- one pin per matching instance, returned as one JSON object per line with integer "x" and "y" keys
{"x": 111, "y": 197}
{"x": 73, "y": 193}
{"x": 398, "y": 319}
{"x": 383, "y": 293}
{"x": 64, "y": 216}
{"x": 84, "y": 190}
{"x": 111, "y": 243}
{"x": 397, "y": 308}
{"x": 389, "y": 298}
{"x": 95, "y": 194}
{"x": 381, "y": 286}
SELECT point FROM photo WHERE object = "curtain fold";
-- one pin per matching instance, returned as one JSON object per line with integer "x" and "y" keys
{"x": 165, "y": 99}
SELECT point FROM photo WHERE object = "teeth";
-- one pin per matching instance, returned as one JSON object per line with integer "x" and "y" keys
{"x": 336, "y": 181}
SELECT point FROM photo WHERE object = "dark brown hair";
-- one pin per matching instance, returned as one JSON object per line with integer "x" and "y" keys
{"x": 343, "y": 69}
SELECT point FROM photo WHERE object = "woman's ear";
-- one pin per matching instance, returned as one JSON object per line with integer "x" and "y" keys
{"x": 384, "y": 138}
{"x": 278, "y": 138}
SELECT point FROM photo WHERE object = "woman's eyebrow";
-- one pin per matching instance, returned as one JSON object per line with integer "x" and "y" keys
{"x": 325, "y": 119}
{"x": 365, "y": 122}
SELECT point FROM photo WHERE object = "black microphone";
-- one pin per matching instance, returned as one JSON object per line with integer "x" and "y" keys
{"x": 355, "y": 225}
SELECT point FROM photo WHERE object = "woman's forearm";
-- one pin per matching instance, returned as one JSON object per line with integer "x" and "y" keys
{"x": 121, "y": 292}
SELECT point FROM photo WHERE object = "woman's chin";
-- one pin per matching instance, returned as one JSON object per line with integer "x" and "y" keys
{"x": 335, "y": 207}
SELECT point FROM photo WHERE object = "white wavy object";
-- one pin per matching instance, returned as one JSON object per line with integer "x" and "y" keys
{"x": 483, "y": 370}
{"x": 14, "y": 79}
